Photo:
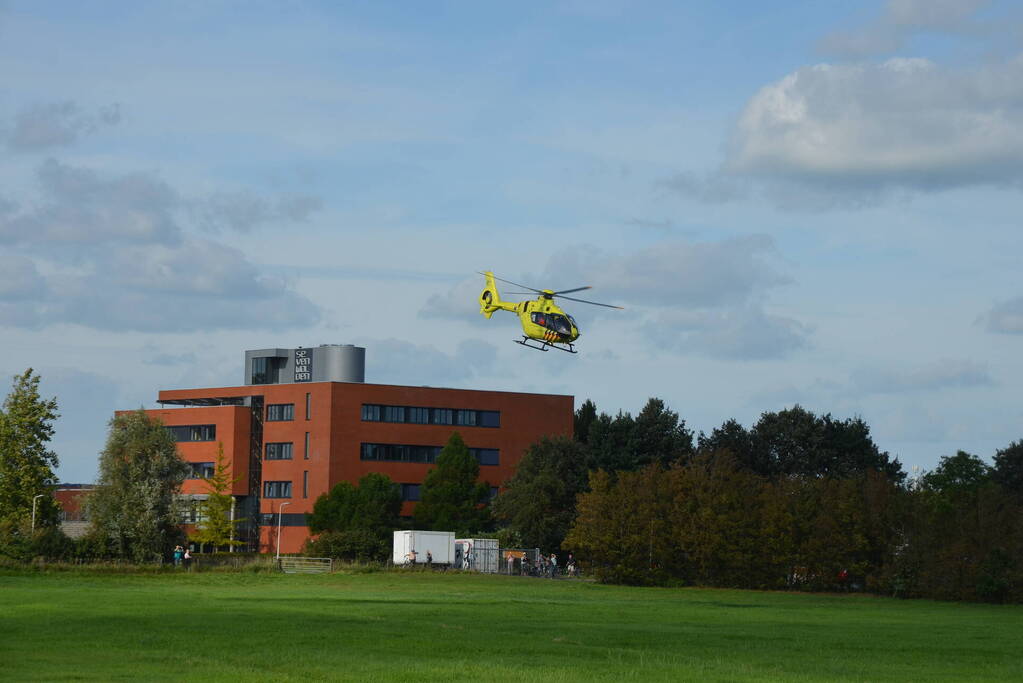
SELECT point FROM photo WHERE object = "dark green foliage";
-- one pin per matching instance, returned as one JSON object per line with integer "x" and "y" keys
{"x": 584, "y": 419}
{"x": 354, "y": 545}
{"x": 714, "y": 522}
{"x": 26, "y": 464}
{"x": 795, "y": 442}
{"x": 451, "y": 497}
{"x": 134, "y": 508}
{"x": 538, "y": 503}
{"x": 624, "y": 443}
{"x": 659, "y": 436}
{"x": 355, "y": 522}
{"x": 17, "y": 542}
{"x": 958, "y": 475}
{"x": 1008, "y": 469}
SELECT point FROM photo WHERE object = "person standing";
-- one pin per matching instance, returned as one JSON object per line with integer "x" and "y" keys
{"x": 188, "y": 558}
{"x": 179, "y": 553}
{"x": 554, "y": 565}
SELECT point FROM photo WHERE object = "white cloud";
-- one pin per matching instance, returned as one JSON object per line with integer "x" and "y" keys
{"x": 673, "y": 274}
{"x": 56, "y": 124}
{"x": 902, "y": 19}
{"x": 243, "y": 211}
{"x": 936, "y": 376}
{"x": 906, "y": 123}
{"x": 744, "y": 333}
{"x": 403, "y": 362}
{"x": 110, "y": 253}
{"x": 1006, "y": 317}
{"x": 706, "y": 298}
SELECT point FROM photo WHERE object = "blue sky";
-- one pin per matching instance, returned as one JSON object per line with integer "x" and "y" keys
{"x": 800, "y": 202}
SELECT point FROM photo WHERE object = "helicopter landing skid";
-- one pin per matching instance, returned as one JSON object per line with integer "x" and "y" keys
{"x": 544, "y": 345}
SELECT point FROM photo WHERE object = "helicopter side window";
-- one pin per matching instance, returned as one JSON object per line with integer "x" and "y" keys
{"x": 540, "y": 319}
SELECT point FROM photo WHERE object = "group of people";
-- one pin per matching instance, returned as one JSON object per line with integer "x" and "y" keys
{"x": 546, "y": 566}
{"x": 182, "y": 556}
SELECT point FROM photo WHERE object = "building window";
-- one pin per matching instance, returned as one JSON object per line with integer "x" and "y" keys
{"x": 277, "y": 489}
{"x": 493, "y": 492}
{"x": 308, "y": 405}
{"x": 193, "y": 432}
{"x": 390, "y": 452}
{"x": 260, "y": 371}
{"x": 424, "y": 415}
{"x": 278, "y": 451}
{"x": 305, "y": 484}
{"x": 200, "y": 470}
{"x": 280, "y": 412}
{"x": 305, "y": 452}
{"x": 410, "y": 491}
{"x": 394, "y": 413}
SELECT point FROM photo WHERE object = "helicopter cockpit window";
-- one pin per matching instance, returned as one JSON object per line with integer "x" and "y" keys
{"x": 559, "y": 324}
{"x": 573, "y": 322}
{"x": 553, "y": 321}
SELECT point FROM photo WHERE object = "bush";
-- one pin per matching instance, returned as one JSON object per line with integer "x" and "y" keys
{"x": 353, "y": 545}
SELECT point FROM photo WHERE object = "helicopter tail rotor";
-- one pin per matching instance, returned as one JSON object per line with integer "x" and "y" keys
{"x": 490, "y": 300}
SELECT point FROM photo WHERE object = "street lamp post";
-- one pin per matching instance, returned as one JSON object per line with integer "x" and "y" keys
{"x": 34, "y": 510}
{"x": 280, "y": 514}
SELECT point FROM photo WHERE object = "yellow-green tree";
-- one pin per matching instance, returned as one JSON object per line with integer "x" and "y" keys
{"x": 216, "y": 527}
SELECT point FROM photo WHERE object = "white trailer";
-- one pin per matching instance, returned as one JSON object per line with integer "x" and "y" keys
{"x": 439, "y": 544}
{"x": 484, "y": 554}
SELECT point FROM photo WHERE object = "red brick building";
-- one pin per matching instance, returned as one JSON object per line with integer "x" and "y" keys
{"x": 295, "y": 430}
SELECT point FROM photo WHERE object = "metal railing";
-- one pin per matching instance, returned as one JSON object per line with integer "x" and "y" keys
{"x": 306, "y": 565}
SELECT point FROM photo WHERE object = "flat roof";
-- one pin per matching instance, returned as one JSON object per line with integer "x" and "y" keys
{"x": 235, "y": 394}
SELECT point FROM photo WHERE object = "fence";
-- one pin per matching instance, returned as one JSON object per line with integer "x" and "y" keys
{"x": 306, "y": 565}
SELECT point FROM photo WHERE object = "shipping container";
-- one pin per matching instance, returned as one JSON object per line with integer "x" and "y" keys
{"x": 440, "y": 544}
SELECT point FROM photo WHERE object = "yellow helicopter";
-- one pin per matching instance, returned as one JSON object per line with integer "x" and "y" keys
{"x": 542, "y": 320}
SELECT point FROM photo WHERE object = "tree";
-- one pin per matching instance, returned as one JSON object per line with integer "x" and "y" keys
{"x": 26, "y": 464}
{"x": 451, "y": 497}
{"x": 795, "y": 442}
{"x": 217, "y": 527}
{"x": 626, "y": 444}
{"x": 135, "y": 507}
{"x": 659, "y": 436}
{"x": 355, "y": 522}
{"x": 584, "y": 419}
{"x": 1008, "y": 469}
{"x": 538, "y": 503}
{"x": 957, "y": 475}
{"x": 374, "y": 504}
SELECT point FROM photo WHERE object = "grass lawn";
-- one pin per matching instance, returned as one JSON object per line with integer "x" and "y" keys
{"x": 462, "y": 627}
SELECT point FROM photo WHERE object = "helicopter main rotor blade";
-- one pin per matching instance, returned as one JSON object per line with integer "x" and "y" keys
{"x": 501, "y": 279}
{"x": 592, "y": 303}
{"x": 569, "y": 291}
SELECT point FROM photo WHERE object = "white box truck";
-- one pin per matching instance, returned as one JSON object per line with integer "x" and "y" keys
{"x": 439, "y": 544}
{"x": 484, "y": 554}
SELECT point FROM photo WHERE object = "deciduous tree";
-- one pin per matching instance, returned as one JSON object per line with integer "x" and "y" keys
{"x": 26, "y": 462}
{"x": 135, "y": 506}
{"x": 538, "y": 503}
{"x": 216, "y": 526}
{"x": 451, "y": 497}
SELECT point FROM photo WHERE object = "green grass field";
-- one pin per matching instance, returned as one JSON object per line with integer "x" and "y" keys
{"x": 456, "y": 627}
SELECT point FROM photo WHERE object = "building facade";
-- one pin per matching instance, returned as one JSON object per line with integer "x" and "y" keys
{"x": 305, "y": 420}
